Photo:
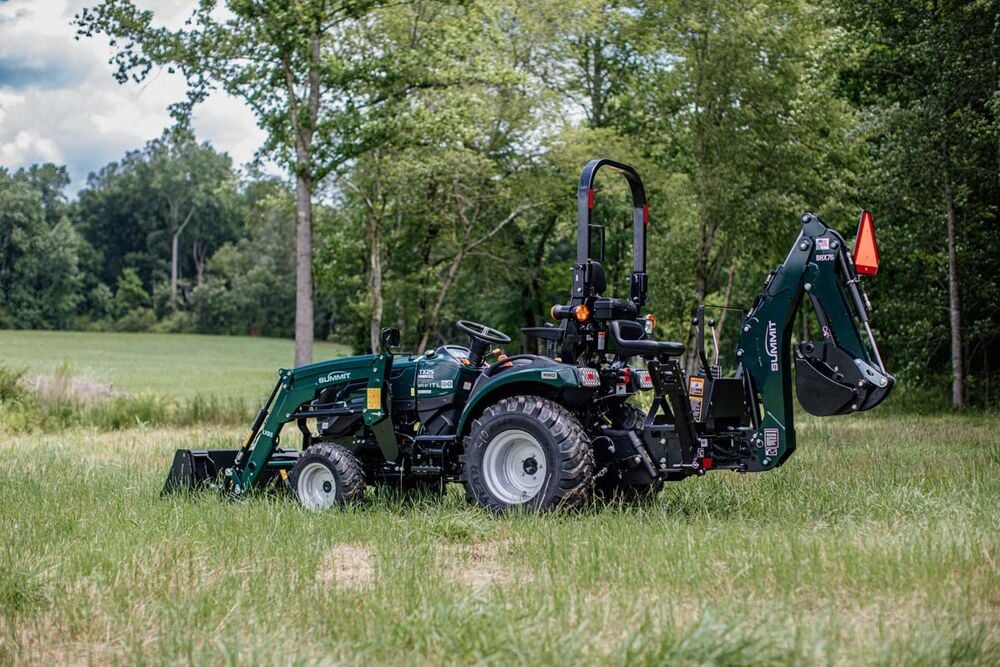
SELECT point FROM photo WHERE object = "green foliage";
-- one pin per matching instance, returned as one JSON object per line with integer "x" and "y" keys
{"x": 928, "y": 94}
{"x": 61, "y": 401}
{"x": 130, "y": 210}
{"x": 40, "y": 278}
{"x": 10, "y": 379}
{"x": 453, "y": 147}
{"x": 130, "y": 294}
{"x": 250, "y": 285}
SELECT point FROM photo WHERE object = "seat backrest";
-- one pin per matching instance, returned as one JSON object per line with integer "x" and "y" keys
{"x": 630, "y": 330}
{"x": 598, "y": 282}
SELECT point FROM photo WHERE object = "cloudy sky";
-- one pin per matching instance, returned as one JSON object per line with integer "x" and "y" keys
{"x": 59, "y": 102}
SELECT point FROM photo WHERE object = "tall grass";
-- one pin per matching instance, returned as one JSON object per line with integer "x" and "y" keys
{"x": 876, "y": 544}
{"x": 63, "y": 400}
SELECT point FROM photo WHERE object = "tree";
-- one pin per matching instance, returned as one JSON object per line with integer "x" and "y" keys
{"x": 50, "y": 182}
{"x": 585, "y": 50}
{"x": 317, "y": 73}
{"x": 249, "y": 283}
{"x": 134, "y": 212}
{"x": 190, "y": 179}
{"x": 731, "y": 95}
{"x": 929, "y": 91}
{"x": 40, "y": 279}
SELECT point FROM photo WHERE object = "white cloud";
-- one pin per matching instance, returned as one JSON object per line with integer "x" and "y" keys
{"x": 59, "y": 101}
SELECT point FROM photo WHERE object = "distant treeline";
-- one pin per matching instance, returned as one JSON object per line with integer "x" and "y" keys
{"x": 738, "y": 115}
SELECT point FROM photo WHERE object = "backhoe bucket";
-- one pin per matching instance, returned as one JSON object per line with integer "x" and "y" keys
{"x": 197, "y": 468}
{"x": 829, "y": 381}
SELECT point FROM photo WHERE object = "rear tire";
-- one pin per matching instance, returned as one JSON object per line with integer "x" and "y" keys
{"x": 530, "y": 452}
{"x": 327, "y": 475}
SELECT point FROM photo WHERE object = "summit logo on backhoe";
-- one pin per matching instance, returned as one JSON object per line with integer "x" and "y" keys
{"x": 334, "y": 377}
{"x": 771, "y": 344}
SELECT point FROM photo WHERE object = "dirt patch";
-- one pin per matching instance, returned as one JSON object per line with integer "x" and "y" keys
{"x": 347, "y": 566}
{"x": 481, "y": 565}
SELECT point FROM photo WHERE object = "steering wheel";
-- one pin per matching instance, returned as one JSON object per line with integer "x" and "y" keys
{"x": 482, "y": 332}
{"x": 481, "y": 336}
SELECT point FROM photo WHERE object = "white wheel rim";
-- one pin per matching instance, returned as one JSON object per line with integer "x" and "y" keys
{"x": 317, "y": 487}
{"x": 514, "y": 466}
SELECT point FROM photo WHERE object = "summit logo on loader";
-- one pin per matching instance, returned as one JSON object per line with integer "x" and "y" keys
{"x": 334, "y": 377}
{"x": 771, "y": 344}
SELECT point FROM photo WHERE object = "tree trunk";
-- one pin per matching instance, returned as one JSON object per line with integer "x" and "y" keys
{"x": 954, "y": 308}
{"x": 700, "y": 287}
{"x": 174, "y": 270}
{"x": 449, "y": 278}
{"x": 304, "y": 129}
{"x": 199, "y": 253}
{"x": 303, "y": 272}
{"x": 375, "y": 282}
{"x": 531, "y": 290}
{"x": 727, "y": 296}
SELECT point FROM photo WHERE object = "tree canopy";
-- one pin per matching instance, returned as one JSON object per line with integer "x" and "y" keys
{"x": 432, "y": 149}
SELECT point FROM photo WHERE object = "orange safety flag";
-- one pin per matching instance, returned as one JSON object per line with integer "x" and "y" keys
{"x": 865, "y": 246}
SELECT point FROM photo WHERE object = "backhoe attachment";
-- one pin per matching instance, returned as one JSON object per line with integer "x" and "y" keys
{"x": 745, "y": 421}
{"x": 840, "y": 374}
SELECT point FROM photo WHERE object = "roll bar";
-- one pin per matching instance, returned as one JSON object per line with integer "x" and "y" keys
{"x": 640, "y": 220}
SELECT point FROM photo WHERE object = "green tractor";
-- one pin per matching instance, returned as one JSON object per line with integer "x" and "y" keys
{"x": 554, "y": 430}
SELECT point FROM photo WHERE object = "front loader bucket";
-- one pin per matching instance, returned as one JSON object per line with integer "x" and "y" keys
{"x": 197, "y": 468}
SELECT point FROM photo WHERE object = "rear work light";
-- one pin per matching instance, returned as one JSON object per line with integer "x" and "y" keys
{"x": 589, "y": 377}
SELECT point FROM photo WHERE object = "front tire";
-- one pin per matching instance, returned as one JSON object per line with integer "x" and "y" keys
{"x": 531, "y": 452}
{"x": 327, "y": 475}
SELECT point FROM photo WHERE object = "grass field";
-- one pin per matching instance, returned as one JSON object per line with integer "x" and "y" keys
{"x": 876, "y": 544}
{"x": 181, "y": 365}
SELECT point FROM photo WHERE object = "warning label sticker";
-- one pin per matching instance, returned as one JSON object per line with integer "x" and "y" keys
{"x": 770, "y": 442}
{"x": 374, "y": 398}
{"x": 696, "y": 386}
{"x": 696, "y": 408}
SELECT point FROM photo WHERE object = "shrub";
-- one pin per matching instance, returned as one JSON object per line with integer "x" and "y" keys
{"x": 140, "y": 319}
{"x": 61, "y": 401}
{"x": 179, "y": 322}
{"x": 10, "y": 383}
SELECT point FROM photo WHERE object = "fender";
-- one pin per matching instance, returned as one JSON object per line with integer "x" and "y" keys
{"x": 542, "y": 376}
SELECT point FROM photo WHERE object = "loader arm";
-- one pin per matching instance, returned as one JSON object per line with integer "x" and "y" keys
{"x": 840, "y": 374}
{"x": 295, "y": 388}
{"x": 260, "y": 458}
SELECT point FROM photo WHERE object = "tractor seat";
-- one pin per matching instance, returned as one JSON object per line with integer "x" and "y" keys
{"x": 630, "y": 339}
{"x": 543, "y": 333}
